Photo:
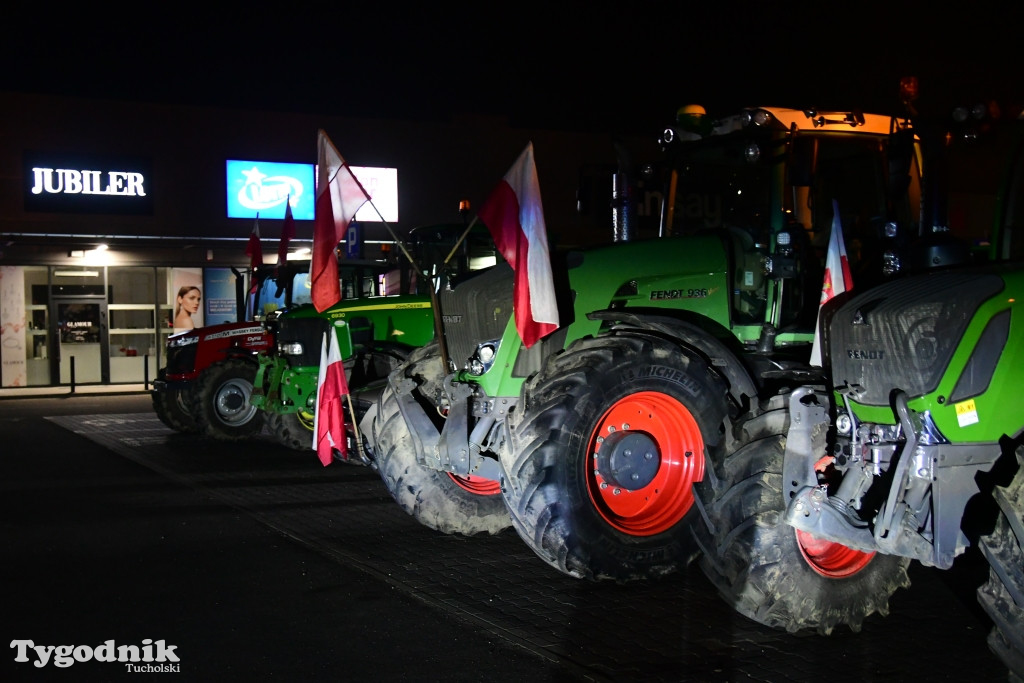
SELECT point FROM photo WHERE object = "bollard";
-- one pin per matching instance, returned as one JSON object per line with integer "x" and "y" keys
{"x": 145, "y": 372}
{"x": 72, "y": 370}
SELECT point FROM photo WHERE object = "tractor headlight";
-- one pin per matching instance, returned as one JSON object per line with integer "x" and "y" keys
{"x": 844, "y": 425}
{"x": 784, "y": 243}
{"x": 179, "y": 342}
{"x": 483, "y": 358}
{"x": 890, "y": 263}
{"x": 292, "y": 348}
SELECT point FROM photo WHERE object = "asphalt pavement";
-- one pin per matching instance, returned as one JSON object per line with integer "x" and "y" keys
{"x": 100, "y": 548}
{"x": 255, "y": 563}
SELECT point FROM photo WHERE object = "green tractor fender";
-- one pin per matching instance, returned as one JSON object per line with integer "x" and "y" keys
{"x": 700, "y": 335}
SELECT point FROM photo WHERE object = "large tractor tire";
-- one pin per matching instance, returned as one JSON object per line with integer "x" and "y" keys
{"x": 220, "y": 401}
{"x": 608, "y": 440}
{"x": 1002, "y": 596}
{"x": 442, "y": 501}
{"x": 292, "y": 430}
{"x": 172, "y": 407}
{"x": 767, "y": 570}
{"x": 295, "y": 430}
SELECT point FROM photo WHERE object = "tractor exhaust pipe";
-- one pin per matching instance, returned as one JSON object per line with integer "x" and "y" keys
{"x": 623, "y": 218}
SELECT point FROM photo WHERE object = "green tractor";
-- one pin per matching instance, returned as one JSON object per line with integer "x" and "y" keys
{"x": 675, "y": 414}
{"x": 590, "y": 442}
{"x": 385, "y": 312}
{"x": 911, "y": 449}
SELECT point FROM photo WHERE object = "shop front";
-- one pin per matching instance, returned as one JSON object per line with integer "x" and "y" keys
{"x": 102, "y": 324}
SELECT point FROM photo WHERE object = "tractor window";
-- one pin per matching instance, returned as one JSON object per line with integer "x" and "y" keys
{"x": 854, "y": 172}
{"x": 850, "y": 172}
{"x": 716, "y": 187}
{"x": 269, "y": 298}
{"x": 301, "y": 292}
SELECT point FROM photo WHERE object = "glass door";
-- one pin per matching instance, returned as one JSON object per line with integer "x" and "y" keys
{"x": 80, "y": 333}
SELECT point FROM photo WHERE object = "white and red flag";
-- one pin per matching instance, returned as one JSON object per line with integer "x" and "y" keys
{"x": 338, "y": 196}
{"x": 837, "y": 277}
{"x": 287, "y": 235}
{"x": 515, "y": 217}
{"x": 254, "y": 250}
{"x": 331, "y": 389}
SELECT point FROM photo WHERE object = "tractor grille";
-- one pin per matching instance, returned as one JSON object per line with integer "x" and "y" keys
{"x": 308, "y": 331}
{"x": 476, "y": 310}
{"x": 903, "y": 334}
{"x": 181, "y": 360}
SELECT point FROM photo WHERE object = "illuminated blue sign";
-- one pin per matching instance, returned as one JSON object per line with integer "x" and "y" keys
{"x": 263, "y": 187}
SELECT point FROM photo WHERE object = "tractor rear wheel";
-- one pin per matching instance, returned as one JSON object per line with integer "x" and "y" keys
{"x": 767, "y": 570}
{"x": 220, "y": 401}
{"x": 440, "y": 500}
{"x": 608, "y": 440}
{"x": 1002, "y": 596}
{"x": 172, "y": 406}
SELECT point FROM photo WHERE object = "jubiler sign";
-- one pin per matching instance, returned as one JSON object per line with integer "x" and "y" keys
{"x": 86, "y": 184}
{"x": 70, "y": 181}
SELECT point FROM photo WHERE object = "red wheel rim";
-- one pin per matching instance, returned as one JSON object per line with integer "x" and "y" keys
{"x": 666, "y": 495}
{"x": 478, "y": 486}
{"x": 831, "y": 560}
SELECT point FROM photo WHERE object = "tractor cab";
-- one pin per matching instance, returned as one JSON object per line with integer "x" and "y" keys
{"x": 769, "y": 180}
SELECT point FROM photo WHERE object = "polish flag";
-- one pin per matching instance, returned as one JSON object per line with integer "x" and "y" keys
{"x": 837, "y": 277}
{"x": 338, "y": 196}
{"x": 254, "y": 250}
{"x": 287, "y": 235}
{"x": 331, "y": 389}
{"x": 515, "y": 217}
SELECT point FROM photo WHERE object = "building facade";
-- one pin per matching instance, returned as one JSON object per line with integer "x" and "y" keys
{"x": 111, "y": 212}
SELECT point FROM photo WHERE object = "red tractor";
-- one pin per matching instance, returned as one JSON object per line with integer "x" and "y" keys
{"x": 206, "y": 382}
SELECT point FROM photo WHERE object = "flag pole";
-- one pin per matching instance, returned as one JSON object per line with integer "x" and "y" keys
{"x": 458, "y": 243}
{"x": 435, "y": 303}
{"x": 355, "y": 429}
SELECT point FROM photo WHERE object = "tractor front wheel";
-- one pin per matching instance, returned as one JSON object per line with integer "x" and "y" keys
{"x": 292, "y": 430}
{"x": 1002, "y": 596}
{"x": 440, "y": 500}
{"x": 608, "y": 440}
{"x": 172, "y": 406}
{"x": 767, "y": 570}
{"x": 220, "y": 401}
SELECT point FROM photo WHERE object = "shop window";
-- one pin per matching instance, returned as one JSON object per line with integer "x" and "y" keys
{"x": 133, "y": 315}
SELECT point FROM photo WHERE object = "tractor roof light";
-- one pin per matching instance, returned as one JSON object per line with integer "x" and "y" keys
{"x": 757, "y": 117}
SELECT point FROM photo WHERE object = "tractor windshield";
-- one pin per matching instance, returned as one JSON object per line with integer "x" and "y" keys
{"x": 761, "y": 186}
{"x": 716, "y": 187}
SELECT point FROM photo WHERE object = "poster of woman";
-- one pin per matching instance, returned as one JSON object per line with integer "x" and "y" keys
{"x": 186, "y": 299}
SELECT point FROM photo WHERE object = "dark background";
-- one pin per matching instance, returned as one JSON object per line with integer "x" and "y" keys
{"x": 599, "y": 66}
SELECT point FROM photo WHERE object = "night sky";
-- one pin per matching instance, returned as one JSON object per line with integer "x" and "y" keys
{"x": 619, "y": 67}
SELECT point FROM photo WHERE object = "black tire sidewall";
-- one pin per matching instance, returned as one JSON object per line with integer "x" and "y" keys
{"x": 616, "y": 370}
{"x": 170, "y": 407}
{"x": 754, "y": 558}
{"x": 289, "y": 431}
{"x": 204, "y": 397}
{"x": 431, "y": 496}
